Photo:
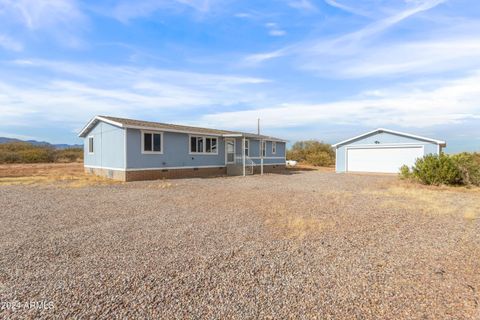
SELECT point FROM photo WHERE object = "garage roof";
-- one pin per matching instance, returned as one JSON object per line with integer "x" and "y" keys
{"x": 379, "y": 130}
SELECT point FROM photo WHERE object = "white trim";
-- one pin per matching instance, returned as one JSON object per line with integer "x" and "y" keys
{"x": 118, "y": 124}
{"x": 88, "y": 144}
{"x": 267, "y": 157}
{"x": 274, "y": 150}
{"x": 243, "y": 156}
{"x": 232, "y": 135}
{"x": 247, "y": 141}
{"x": 336, "y": 160}
{"x": 387, "y": 145}
{"x": 106, "y": 168}
{"x": 379, "y": 130}
{"x": 98, "y": 118}
{"x": 125, "y": 152}
{"x": 204, "y": 137}
{"x": 143, "y": 132}
{"x": 381, "y": 146}
{"x": 160, "y": 168}
{"x": 234, "y": 150}
{"x": 261, "y": 149}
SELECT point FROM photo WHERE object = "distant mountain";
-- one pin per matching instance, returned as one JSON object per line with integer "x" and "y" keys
{"x": 41, "y": 143}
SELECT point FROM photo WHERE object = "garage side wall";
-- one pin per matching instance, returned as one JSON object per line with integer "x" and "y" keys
{"x": 379, "y": 139}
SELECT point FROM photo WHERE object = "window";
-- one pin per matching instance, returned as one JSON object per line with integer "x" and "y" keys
{"x": 211, "y": 145}
{"x": 263, "y": 148}
{"x": 200, "y": 144}
{"x": 274, "y": 147}
{"x": 152, "y": 142}
{"x": 90, "y": 144}
{"x": 247, "y": 148}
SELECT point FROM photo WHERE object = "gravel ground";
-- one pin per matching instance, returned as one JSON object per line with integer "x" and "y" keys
{"x": 305, "y": 245}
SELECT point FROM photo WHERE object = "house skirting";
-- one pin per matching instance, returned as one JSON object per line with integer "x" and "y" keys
{"x": 269, "y": 168}
{"x": 107, "y": 173}
{"x": 177, "y": 173}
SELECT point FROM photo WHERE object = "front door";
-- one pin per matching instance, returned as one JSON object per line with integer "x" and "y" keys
{"x": 230, "y": 150}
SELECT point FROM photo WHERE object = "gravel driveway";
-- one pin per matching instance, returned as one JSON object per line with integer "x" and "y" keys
{"x": 306, "y": 245}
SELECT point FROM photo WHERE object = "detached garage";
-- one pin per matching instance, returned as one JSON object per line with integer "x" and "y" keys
{"x": 383, "y": 151}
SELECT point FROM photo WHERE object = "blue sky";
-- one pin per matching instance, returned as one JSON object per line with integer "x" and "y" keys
{"x": 325, "y": 69}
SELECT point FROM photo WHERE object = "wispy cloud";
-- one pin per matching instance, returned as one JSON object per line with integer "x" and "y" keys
{"x": 303, "y": 5}
{"x": 338, "y": 46}
{"x": 274, "y": 29}
{"x": 414, "y": 105}
{"x": 127, "y": 10}
{"x": 73, "y": 92}
{"x": 347, "y": 8}
{"x": 10, "y": 44}
{"x": 62, "y": 19}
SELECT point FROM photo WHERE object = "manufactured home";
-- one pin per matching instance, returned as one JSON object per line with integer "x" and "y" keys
{"x": 383, "y": 151}
{"x": 128, "y": 150}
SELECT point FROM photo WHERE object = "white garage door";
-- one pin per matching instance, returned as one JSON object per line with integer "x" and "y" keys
{"x": 381, "y": 159}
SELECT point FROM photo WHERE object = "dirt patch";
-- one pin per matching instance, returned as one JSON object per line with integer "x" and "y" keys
{"x": 53, "y": 174}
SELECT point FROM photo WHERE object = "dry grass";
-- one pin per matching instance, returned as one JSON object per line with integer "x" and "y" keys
{"x": 66, "y": 175}
{"x": 293, "y": 226}
{"x": 430, "y": 200}
{"x": 300, "y": 219}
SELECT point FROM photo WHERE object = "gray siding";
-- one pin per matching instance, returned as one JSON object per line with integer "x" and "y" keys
{"x": 109, "y": 150}
{"x": 175, "y": 152}
{"x": 384, "y": 138}
{"x": 108, "y": 144}
{"x": 254, "y": 152}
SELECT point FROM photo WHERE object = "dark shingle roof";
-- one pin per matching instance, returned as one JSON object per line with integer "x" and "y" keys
{"x": 166, "y": 126}
{"x": 125, "y": 122}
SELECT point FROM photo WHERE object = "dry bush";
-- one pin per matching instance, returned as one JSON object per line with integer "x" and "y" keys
{"x": 24, "y": 152}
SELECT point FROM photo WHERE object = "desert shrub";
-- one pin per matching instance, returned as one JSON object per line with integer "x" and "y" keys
{"x": 69, "y": 155}
{"x": 23, "y": 152}
{"x": 405, "y": 172}
{"x": 312, "y": 152}
{"x": 321, "y": 159}
{"x": 38, "y": 154}
{"x": 469, "y": 167}
{"x": 436, "y": 170}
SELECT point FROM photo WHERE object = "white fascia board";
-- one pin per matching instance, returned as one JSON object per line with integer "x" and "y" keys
{"x": 95, "y": 119}
{"x": 440, "y": 142}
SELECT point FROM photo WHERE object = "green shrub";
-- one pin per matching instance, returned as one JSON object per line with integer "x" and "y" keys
{"x": 436, "y": 170}
{"x": 321, "y": 159}
{"x": 458, "y": 169}
{"x": 405, "y": 172}
{"x": 313, "y": 152}
{"x": 469, "y": 167}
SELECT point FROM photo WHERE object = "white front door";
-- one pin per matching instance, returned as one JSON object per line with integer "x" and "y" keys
{"x": 230, "y": 150}
{"x": 382, "y": 159}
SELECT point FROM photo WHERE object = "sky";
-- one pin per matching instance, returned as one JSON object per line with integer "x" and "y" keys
{"x": 323, "y": 69}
